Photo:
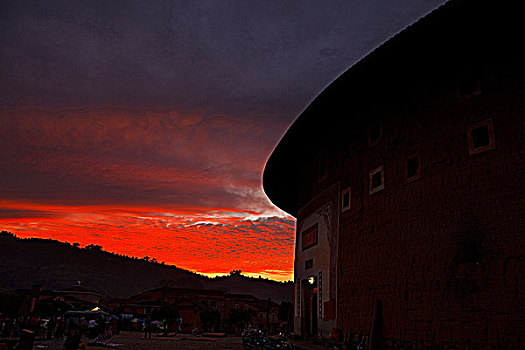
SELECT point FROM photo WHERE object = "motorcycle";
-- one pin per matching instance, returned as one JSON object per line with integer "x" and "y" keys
{"x": 278, "y": 343}
{"x": 253, "y": 339}
{"x": 258, "y": 340}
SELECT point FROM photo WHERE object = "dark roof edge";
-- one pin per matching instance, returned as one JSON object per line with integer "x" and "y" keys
{"x": 280, "y": 151}
{"x": 277, "y": 187}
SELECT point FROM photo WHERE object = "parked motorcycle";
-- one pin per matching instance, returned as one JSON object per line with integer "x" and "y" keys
{"x": 254, "y": 339}
{"x": 278, "y": 343}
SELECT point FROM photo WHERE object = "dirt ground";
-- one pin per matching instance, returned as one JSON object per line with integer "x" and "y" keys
{"x": 136, "y": 341}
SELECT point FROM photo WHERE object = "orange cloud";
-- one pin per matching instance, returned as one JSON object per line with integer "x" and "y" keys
{"x": 182, "y": 187}
{"x": 205, "y": 241}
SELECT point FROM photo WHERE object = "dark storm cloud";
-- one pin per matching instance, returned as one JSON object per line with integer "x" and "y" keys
{"x": 239, "y": 57}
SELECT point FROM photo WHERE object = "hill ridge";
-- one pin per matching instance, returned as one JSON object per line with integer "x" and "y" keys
{"x": 56, "y": 265}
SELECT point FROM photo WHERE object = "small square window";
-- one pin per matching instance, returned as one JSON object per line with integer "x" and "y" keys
{"x": 346, "y": 199}
{"x": 374, "y": 134}
{"x": 413, "y": 170}
{"x": 377, "y": 180}
{"x": 468, "y": 85}
{"x": 308, "y": 264}
{"x": 481, "y": 137}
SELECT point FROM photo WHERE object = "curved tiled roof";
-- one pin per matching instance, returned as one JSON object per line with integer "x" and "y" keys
{"x": 456, "y": 31}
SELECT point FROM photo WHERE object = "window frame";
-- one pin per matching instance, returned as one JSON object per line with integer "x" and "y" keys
{"x": 418, "y": 174}
{"x": 343, "y": 192}
{"x": 313, "y": 228}
{"x": 308, "y": 264}
{"x": 460, "y": 80}
{"x": 373, "y": 190}
{"x": 371, "y": 143}
{"x": 492, "y": 141}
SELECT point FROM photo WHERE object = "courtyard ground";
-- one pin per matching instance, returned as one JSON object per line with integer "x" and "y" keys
{"x": 136, "y": 341}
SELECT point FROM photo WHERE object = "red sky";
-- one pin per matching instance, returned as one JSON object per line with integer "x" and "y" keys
{"x": 202, "y": 240}
{"x": 145, "y": 127}
{"x": 144, "y": 184}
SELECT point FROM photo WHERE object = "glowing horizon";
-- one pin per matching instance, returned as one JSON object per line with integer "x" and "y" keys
{"x": 143, "y": 185}
{"x": 211, "y": 243}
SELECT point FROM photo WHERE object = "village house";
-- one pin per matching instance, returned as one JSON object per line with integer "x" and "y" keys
{"x": 46, "y": 302}
{"x": 209, "y": 299}
{"x": 80, "y": 293}
{"x": 406, "y": 179}
{"x": 234, "y": 311}
{"x": 247, "y": 311}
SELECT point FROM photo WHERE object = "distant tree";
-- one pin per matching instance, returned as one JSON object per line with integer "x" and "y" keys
{"x": 76, "y": 245}
{"x": 146, "y": 258}
{"x": 93, "y": 247}
{"x": 235, "y": 272}
{"x": 154, "y": 261}
{"x": 8, "y": 234}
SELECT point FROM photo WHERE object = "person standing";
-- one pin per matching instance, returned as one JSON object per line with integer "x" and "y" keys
{"x": 50, "y": 327}
{"x": 92, "y": 325}
{"x": 73, "y": 336}
{"x": 147, "y": 329}
{"x": 59, "y": 334}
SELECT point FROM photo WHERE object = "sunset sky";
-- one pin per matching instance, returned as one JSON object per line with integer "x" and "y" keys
{"x": 144, "y": 126}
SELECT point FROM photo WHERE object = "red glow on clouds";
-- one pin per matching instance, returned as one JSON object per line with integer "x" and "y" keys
{"x": 182, "y": 188}
{"x": 205, "y": 241}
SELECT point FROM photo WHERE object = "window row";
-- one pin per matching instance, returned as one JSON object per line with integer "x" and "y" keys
{"x": 377, "y": 180}
{"x": 480, "y": 138}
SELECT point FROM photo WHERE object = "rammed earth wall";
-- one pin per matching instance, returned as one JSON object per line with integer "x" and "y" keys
{"x": 445, "y": 253}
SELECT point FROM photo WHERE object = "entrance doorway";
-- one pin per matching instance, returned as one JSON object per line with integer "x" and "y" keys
{"x": 309, "y": 321}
